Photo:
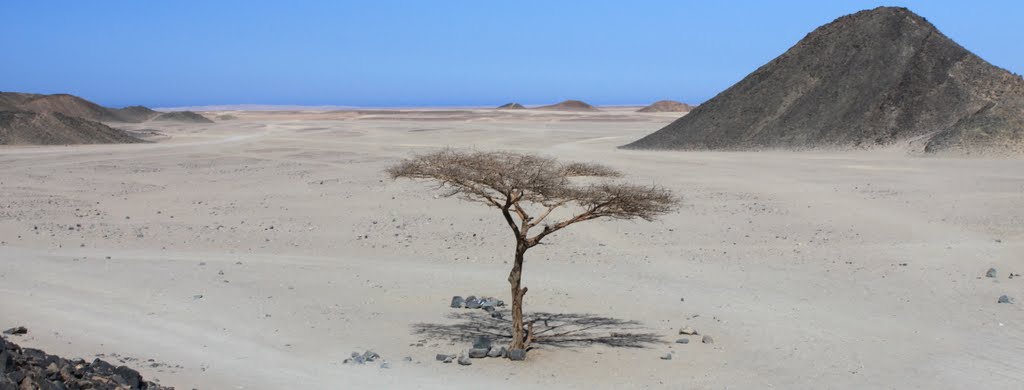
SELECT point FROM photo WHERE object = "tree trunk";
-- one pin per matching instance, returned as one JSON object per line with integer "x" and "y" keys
{"x": 515, "y": 279}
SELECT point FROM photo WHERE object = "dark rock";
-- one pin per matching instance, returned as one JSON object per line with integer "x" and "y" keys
{"x": 477, "y": 353}
{"x": 991, "y": 273}
{"x": 496, "y": 314}
{"x": 1005, "y": 299}
{"x": 370, "y": 356}
{"x": 707, "y": 340}
{"x": 667, "y": 356}
{"x": 482, "y": 342}
{"x": 407, "y": 359}
{"x": 18, "y": 330}
{"x": 464, "y": 360}
{"x": 132, "y": 377}
{"x": 457, "y": 302}
{"x": 517, "y": 354}
{"x": 683, "y": 341}
{"x": 443, "y": 356}
{"x": 472, "y": 303}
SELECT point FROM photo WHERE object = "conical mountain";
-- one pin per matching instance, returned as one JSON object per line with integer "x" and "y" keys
{"x": 875, "y": 77}
{"x": 569, "y": 105}
{"x": 666, "y": 106}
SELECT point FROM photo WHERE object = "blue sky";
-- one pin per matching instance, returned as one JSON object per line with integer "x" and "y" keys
{"x": 430, "y": 53}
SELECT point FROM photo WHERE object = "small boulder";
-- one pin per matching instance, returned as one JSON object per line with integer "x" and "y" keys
{"x": 457, "y": 302}
{"x": 370, "y": 356}
{"x": 688, "y": 331}
{"x": 464, "y": 360}
{"x": 683, "y": 341}
{"x": 1005, "y": 299}
{"x": 482, "y": 342}
{"x": 18, "y": 330}
{"x": 517, "y": 354}
{"x": 991, "y": 273}
{"x": 497, "y": 314}
{"x": 707, "y": 340}
{"x": 441, "y": 357}
{"x": 472, "y": 303}
{"x": 477, "y": 353}
{"x": 667, "y": 356}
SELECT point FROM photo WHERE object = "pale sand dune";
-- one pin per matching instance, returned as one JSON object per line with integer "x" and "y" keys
{"x": 791, "y": 260}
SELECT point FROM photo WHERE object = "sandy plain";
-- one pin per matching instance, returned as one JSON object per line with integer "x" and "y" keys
{"x": 844, "y": 270}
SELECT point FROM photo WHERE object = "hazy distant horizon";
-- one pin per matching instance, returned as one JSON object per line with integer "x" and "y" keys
{"x": 401, "y": 54}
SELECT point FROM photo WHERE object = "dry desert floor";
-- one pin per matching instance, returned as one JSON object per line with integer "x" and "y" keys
{"x": 260, "y": 252}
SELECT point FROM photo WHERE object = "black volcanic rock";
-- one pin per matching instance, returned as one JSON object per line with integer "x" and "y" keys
{"x": 876, "y": 77}
{"x": 27, "y": 368}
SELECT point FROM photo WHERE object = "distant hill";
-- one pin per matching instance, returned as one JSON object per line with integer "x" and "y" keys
{"x": 569, "y": 105}
{"x": 69, "y": 105}
{"x": 666, "y": 106}
{"x": 511, "y": 106}
{"x": 873, "y": 78}
{"x": 134, "y": 114}
{"x": 55, "y": 128}
{"x": 182, "y": 116}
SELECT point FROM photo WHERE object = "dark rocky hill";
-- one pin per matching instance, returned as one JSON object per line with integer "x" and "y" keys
{"x": 55, "y": 128}
{"x": 182, "y": 116}
{"x": 569, "y": 105}
{"x": 876, "y": 77}
{"x": 511, "y": 106}
{"x": 666, "y": 106}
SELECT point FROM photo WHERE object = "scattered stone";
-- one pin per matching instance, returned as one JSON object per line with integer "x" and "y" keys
{"x": 464, "y": 360}
{"x": 370, "y": 356}
{"x": 407, "y": 359}
{"x": 199, "y": 296}
{"x": 385, "y": 365}
{"x": 18, "y": 330}
{"x": 457, "y": 302}
{"x": 683, "y": 341}
{"x": 1005, "y": 299}
{"x": 472, "y": 303}
{"x": 441, "y": 357}
{"x": 991, "y": 273}
{"x": 688, "y": 331}
{"x": 497, "y": 314}
{"x": 517, "y": 354}
{"x": 496, "y": 352}
{"x": 707, "y": 340}
{"x": 477, "y": 353}
{"x": 667, "y": 356}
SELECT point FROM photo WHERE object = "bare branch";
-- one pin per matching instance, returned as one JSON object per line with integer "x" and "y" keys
{"x": 507, "y": 180}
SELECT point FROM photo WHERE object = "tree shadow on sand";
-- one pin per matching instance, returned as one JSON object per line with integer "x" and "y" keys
{"x": 550, "y": 329}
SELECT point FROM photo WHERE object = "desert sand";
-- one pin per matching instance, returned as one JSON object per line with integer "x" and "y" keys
{"x": 259, "y": 252}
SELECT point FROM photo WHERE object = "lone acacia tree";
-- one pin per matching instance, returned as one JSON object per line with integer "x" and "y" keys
{"x": 524, "y": 185}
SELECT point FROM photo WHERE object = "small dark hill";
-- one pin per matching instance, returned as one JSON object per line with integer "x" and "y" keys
{"x": 511, "y": 106}
{"x": 876, "y": 77}
{"x": 34, "y": 128}
{"x": 134, "y": 114}
{"x": 666, "y": 106}
{"x": 569, "y": 105}
{"x": 182, "y": 116}
{"x": 226, "y": 117}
